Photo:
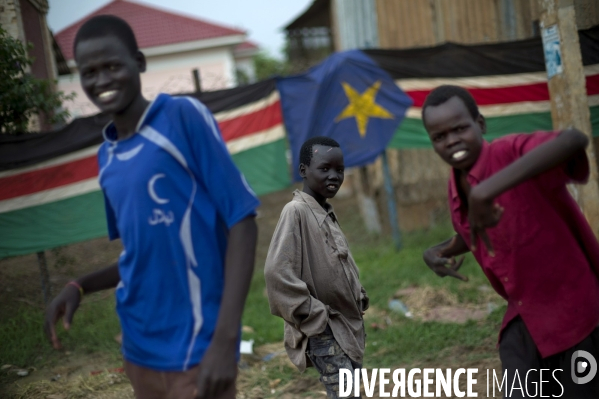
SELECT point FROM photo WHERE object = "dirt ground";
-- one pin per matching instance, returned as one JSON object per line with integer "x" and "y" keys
{"x": 96, "y": 377}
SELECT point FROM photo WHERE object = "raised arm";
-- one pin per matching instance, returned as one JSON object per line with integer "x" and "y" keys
{"x": 482, "y": 211}
{"x": 441, "y": 258}
{"x": 67, "y": 301}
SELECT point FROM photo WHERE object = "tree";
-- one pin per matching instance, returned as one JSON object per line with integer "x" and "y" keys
{"x": 267, "y": 66}
{"x": 21, "y": 94}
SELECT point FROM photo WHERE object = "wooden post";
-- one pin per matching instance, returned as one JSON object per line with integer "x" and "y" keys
{"x": 196, "y": 80}
{"x": 393, "y": 218}
{"x": 44, "y": 276}
{"x": 567, "y": 87}
{"x": 366, "y": 202}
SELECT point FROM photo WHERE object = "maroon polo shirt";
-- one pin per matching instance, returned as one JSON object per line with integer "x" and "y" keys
{"x": 546, "y": 262}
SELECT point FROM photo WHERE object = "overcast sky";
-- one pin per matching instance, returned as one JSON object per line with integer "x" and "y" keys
{"x": 262, "y": 19}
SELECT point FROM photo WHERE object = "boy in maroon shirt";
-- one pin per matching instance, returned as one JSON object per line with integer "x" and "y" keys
{"x": 510, "y": 206}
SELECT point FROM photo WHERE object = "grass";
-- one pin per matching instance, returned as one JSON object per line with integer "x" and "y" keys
{"x": 383, "y": 271}
{"x": 92, "y": 331}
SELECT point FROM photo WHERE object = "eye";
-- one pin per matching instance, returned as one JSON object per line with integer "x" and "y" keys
{"x": 325, "y": 169}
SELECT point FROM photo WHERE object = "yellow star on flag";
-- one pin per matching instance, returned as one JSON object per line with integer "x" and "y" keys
{"x": 362, "y": 106}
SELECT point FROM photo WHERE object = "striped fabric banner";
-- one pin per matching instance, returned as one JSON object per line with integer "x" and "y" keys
{"x": 517, "y": 103}
{"x": 49, "y": 195}
{"x": 58, "y": 201}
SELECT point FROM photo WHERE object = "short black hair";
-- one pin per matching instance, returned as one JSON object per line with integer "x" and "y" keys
{"x": 107, "y": 25}
{"x": 306, "y": 150}
{"x": 443, "y": 93}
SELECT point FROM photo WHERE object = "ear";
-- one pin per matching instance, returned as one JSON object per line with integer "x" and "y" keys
{"x": 482, "y": 123}
{"x": 302, "y": 170}
{"x": 141, "y": 61}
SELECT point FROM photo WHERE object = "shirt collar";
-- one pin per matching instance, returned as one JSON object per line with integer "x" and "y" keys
{"x": 476, "y": 174}
{"x": 109, "y": 132}
{"x": 318, "y": 211}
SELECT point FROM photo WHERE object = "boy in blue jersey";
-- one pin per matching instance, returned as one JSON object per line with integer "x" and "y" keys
{"x": 187, "y": 227}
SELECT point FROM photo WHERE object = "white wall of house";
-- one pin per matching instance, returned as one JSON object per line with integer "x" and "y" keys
{"x": 167, "y": 72}
{"x": 246, "y": 65}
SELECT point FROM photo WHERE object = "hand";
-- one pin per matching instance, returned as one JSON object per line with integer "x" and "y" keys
{"x": 482, "y": 214}
{"x": 365, "y": 302}
{"x": 443, "y": 266}
{"x": 64, "y": 305}
{"x": 218, "y": 370}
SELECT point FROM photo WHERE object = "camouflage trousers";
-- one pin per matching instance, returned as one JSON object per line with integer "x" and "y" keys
{"x": 328, "y": 357}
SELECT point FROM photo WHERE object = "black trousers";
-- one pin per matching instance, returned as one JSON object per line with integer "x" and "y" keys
{"x": 518, "y": 352}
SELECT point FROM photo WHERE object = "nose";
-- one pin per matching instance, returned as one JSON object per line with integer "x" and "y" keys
{"x": 104, "y": 78}
{"x": 452, "y": 139}
{"x": 334, "y": 176}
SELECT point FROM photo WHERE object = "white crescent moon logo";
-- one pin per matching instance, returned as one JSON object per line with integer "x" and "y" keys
{"x": 151, "y": 191}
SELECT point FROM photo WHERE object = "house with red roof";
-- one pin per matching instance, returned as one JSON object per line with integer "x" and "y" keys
{"x": 174, "y": 45}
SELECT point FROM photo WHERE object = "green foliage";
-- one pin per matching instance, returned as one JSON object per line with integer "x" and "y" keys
{"x": 267, "y": 66}
{"x": 242, "y": 77}
{"x": 21, "y": 94}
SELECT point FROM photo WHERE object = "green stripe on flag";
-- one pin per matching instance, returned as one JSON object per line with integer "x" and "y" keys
{"x": 52, "y": 225}
{"x": 411, "y": 133}
{"x": 83, "y": 217}
{"x": 265, "y": 167}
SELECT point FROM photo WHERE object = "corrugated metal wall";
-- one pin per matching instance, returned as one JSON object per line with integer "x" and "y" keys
{"x": 356, "y": 24}
{"x": 587, "y": 13}
{"x": 416, "y": 23}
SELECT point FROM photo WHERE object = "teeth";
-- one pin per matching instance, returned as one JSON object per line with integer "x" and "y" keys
{"x": 107, "y": 94}
{"x": 459, "y": 154}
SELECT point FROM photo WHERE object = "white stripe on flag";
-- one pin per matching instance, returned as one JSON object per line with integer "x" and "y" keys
{"x": 73, "y": 156}
{"x": 51, "y": 195}
{"x": 248, "y": 108}
{"x": 529, "y": 107}
{"x": 484, "y": 82}
{"x": 256, "y": 139}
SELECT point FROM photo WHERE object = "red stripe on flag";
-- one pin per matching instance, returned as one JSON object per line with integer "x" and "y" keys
{"x": 87, "y": 168}
{"x": 592, "y": 85}
{"x": 496, "y": 95}
{"x": 254, "y": 122}
{"x": 48, "y": 178}
{"x": 508, "y": 95}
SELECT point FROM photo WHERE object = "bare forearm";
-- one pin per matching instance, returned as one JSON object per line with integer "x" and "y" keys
{"x": 532, "y": 164}
{"x": 453, "y": 246}
{"x": 100, "y": 280}
{"x": 239, "y": 266}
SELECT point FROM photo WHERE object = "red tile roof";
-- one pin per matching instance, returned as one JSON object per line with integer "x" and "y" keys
{"x": 246, "y": 46}
{"x": 152, "y": 26}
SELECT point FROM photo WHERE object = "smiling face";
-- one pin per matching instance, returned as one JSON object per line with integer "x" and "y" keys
{"x": 324, "y": 175}
{"x": 455, "y": 135}
{"x": 109, "y": 73}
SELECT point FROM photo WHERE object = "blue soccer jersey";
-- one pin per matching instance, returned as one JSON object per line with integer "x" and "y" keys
{"x": 172, "y": 193}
